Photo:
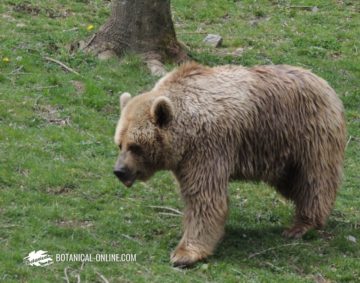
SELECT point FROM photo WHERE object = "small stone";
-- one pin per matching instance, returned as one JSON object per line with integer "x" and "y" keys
{"x": 214, "y": 40}
{"x": 81, "y": 45}
{"x": 318, "y": 278}
{"x": 156, "y": 67}
{"x": 20, "y": 25}
{"x": 106, "y": 55}
{"x": 314, "y": 9}
{"x": 351, "y": 239}
{"x": 238, "y": 52}
{"x": 205, "y": 266}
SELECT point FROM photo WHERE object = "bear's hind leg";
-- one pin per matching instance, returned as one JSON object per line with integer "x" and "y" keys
{"x": 313, "y": 198}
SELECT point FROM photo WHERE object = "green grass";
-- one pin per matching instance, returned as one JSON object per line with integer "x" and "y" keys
{"x": 57, "y": 191}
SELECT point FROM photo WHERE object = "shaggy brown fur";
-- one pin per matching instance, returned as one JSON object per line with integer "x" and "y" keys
{"x": 279, "y": 124}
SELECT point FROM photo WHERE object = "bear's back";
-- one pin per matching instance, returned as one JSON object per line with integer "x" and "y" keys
{"x": 264, "y": 116}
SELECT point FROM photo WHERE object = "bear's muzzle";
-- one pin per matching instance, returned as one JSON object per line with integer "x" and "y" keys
{"x": 125, "y": 176}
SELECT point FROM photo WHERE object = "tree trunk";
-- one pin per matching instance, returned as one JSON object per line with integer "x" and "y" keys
{"x": 141, "y": 26}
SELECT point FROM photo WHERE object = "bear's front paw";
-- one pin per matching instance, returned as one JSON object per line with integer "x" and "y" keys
{"x": 186, "y": 256}
{"x": 297, "y": 231}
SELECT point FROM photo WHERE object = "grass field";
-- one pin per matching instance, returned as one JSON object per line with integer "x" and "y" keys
{"x": 57, "y": 190}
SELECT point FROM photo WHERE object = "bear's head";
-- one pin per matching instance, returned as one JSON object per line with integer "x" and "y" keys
{"x": 143, "y": 136}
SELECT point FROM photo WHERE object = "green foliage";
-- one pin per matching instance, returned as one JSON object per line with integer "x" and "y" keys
{"x": 57, "y": 191}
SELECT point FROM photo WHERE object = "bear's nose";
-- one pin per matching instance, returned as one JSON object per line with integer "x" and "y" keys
{"x": 124, "y": 175}
{"x": 120, "y": 173}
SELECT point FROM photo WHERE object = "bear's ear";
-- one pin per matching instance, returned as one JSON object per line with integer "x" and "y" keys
{"x": 124, "y": 99}
{"x": 162, "y": 111}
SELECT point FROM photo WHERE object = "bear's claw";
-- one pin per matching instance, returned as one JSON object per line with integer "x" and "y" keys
{"x": 183, "y": 257}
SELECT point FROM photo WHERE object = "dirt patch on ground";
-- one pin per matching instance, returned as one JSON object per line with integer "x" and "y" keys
{"x": 28, "y": 8}
{"x": 74, "y": 223}
{"x": 52, "y": 13}
{"x": 59, "y": 190}
{"x": 51, "y": 115}
{"x": 79, "y": 86}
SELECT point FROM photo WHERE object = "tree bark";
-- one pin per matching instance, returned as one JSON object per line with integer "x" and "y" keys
{"x": 141, "y": 26}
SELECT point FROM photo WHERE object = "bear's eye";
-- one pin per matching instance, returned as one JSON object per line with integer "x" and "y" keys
{"x": 135, "y": 148}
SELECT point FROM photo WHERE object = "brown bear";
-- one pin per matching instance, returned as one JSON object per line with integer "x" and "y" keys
{"x": 279, "y": 124}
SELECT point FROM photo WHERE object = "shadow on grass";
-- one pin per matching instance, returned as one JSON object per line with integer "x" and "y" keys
{"x": 239, "y": 243}
{"x": 256, "y": 247}
{"x": 266, "y": 247}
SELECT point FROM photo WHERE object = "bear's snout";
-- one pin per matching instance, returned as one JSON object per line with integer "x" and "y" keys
{"x": 125, "y": 176}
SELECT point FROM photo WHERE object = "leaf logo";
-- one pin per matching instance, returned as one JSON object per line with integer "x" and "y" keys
{"x": 38, "y": 258}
